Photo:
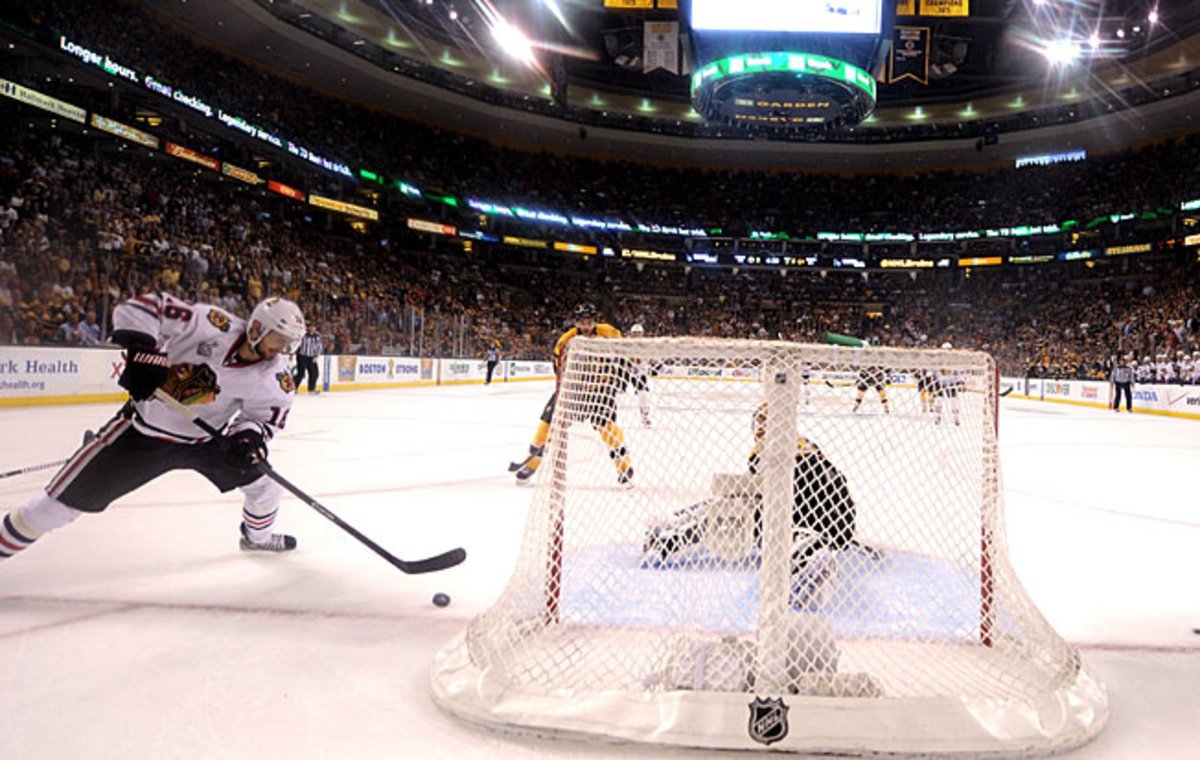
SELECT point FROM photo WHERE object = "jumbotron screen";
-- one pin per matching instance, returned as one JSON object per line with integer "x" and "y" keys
{"x": 799, "y": 16}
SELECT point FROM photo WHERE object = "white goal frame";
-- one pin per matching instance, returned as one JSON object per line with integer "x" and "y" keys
{"x": 573, "y": 647}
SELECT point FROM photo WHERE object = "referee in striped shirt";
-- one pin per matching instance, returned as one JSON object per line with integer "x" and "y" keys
{"x": 1122, "y": 380}
{"x": 311, "y": 347}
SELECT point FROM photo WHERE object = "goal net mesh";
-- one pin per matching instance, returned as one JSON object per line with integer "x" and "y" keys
{"x": 800, "y": 520}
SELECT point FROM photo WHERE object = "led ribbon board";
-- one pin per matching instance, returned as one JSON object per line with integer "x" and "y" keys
{"x": 783, "y": 89}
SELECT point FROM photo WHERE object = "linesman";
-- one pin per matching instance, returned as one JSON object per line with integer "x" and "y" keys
{"x": 1122, "y": 380}
{"x": 311, "y": 348}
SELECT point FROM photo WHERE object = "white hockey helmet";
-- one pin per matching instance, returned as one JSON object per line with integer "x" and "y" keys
{"x": 637, "y": 329}
{"x": 947, "y": 345}
{"x": 278, "y": 315}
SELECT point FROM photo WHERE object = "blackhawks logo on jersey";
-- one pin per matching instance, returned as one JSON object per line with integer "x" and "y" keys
{"x": 219, "y": 320}
{"x": 286, "y": 382}
{"x": 192, "y": 383}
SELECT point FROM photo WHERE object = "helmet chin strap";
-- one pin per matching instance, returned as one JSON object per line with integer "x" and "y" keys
{"x": 255, "y": 341}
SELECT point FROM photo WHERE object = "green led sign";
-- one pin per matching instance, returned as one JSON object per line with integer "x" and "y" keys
{"x": 801, "y": 64}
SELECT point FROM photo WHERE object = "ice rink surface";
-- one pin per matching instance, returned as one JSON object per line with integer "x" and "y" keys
{"x": 145, "y": 633}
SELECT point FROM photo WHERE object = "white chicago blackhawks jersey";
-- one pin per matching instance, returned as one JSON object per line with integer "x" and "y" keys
{"x": 201, "y": 343}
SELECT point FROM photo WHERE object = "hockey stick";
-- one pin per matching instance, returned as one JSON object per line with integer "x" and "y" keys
{"x": 442, "y": 561}
{"x": 88, "y": 437}
{"x": 1007, "y": 391}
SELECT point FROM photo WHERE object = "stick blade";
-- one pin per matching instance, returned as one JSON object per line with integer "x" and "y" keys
{"x": 443, "y": 561}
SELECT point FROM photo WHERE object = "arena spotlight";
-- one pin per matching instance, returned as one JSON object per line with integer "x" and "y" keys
{"x": 512, "y": 41}
{"x": 1061, "y": 51}
{"x": 1153, "y": 17}
{"x": 553, "y": 7}
{"x": 1094, "y": 41}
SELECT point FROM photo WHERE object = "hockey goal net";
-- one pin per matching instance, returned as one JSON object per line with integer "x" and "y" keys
{"x": 790, "y": 568}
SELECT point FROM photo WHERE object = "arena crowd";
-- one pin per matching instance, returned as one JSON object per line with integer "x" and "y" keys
{"x": 86, "y": 222}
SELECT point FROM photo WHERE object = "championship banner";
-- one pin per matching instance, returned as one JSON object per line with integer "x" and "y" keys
{"x": 945, "y": 8}
{"x": 910, "y": 54}
{"x": 660, "y": 46}
{"x": 906, "y": 7}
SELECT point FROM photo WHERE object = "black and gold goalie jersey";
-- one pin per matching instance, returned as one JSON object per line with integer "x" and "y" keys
{"x": 822, "y": 495}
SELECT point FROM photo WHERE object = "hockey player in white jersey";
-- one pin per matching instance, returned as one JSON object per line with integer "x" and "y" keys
{"x": 231, "y": 371}
{"x": 948, "y": 384}
{"x": 640, "y": 378}
{"x": 1143, "y": 373}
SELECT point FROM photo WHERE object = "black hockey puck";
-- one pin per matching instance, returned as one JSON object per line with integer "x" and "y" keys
{"x": 440, "y": 599}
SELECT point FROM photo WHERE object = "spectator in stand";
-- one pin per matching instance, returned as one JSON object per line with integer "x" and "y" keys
{"x": 88, "y": 329}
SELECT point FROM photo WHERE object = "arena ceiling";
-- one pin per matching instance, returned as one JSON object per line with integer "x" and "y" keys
{"x": 1003, "y": 69}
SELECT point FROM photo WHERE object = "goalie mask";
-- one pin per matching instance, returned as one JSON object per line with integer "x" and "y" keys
{"x": 759, "y": 424}
{"x": 280, "y": 316}
{"x": 804, "y": 446}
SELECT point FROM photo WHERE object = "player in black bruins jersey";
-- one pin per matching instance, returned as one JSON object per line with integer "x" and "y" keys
{"x": 824, "y": 515}
{"x": 926, "y": 387}
{"x": 604, "y": 382}
{"x": 872, "y": 377}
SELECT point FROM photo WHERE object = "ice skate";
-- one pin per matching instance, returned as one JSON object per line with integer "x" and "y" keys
{"x": 276, "y": 542}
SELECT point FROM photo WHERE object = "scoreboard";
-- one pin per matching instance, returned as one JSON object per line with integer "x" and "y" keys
{"x": 798, "y": 16}
{"x": 787, "y": 64}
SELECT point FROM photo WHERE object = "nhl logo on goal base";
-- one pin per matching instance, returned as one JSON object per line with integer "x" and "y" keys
{"x": 768, "y": 720}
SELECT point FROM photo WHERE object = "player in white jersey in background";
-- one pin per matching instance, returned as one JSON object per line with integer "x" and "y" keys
{"x": 947, "y": 387}
{"x": 230, "y": 371}
{"x": 641, "y": 378}
{"x": 1144, "y": 372}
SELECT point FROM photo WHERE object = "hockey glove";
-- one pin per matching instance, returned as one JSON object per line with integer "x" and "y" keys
{"x": 145, "y": 370}
{"x": 244, "y": 450}
{"x": 192, "y": 383}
